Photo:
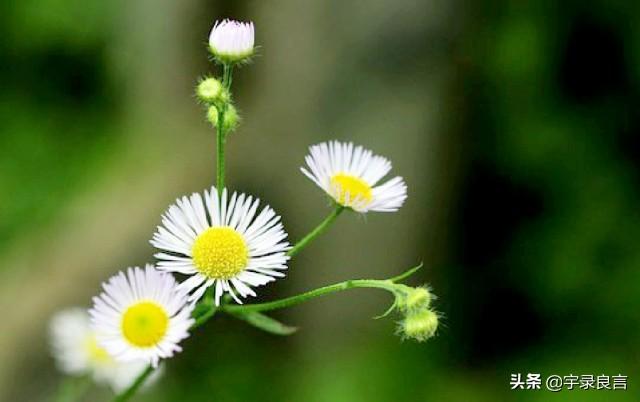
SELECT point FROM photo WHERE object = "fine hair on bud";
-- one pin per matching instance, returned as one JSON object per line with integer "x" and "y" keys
{"x": 211, "y": 91}
{"x": 413, "y": 299}
{"x": 419, "y": 325}
{"x": 212, "y": 115}
{"x": 231, "y": 117}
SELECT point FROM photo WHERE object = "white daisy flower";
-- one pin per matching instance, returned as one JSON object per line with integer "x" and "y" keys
{"x": 349, "y": 175}
{"x": 232, "y": 41}
{"x": 222, "y": 243}
{"x": 76, "y": 352}
{"x": 141, "y": 315}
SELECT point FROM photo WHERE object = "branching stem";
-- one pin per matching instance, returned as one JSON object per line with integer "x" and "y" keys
{"x": 303, "y": 297}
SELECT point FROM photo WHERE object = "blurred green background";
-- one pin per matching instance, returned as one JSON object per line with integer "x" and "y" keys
{"x": 515, "y": 124}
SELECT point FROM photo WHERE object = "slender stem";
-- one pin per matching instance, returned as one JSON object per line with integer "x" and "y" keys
{"x": 205, "y": 317}
{"x": 221, "y": 135}
{"x": 133, "y": 388}
{"x": 220, "y": 148}
{"x": 226, "y": 75}
{"x": 321, "y": 228}
{"x": 386, "y": 284}
{"x": 301, "y": 298}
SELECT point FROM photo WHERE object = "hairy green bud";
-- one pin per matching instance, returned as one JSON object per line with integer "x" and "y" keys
{"x": 211, "y": 91}
{"x": 419, "y": 325}
{"x": 231, "y": 117}
{"x": 212, "y": 115}
{"x": 413, "y": 299}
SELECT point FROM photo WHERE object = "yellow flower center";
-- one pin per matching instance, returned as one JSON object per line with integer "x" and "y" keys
{"x": 144, "y": 324}
{"x": 96, "y": 352}
{"x": 349, "y": 188}
{"x": 220, "y": 253}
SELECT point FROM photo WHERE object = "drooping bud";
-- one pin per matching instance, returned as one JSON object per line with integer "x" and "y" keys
{"x": 413, "y": 299}
{"x": 232, "y": 41}
{"x": 211, "y": 91}
{"x": 419, "y": 325}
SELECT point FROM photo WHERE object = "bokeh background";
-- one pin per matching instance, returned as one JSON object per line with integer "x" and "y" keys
{"x": 515, "y": 124}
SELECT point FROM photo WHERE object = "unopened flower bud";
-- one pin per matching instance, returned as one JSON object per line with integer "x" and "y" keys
{"x": 211, "y": 91}
{"x": 212, "y": 115}
{"x": 420, "y": 325}
{"x": 232, "y": 41}
{"x": 413, "y": 299}
{"x": 231, "y": 117}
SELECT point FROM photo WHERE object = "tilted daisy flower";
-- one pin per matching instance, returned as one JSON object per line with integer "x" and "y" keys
{"x": 232, "y": 41}
{"x": 76, "y": 352}
{"x": 141, "y": 315}
{"x": 349, "y": 175}
{"x": 221, "y": 242}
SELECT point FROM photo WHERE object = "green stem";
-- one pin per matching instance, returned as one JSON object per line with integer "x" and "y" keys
{"x": 227, "y": 70}
{"x": 221, "y": 135}
{"x": 321, "y": 228}
{"x": 389, "y": 285}
{"x": 204, "y": 317}
{"x": 301, "y": 298}
{"x": 220, "y": 148}
{"x": 133, "y": 388}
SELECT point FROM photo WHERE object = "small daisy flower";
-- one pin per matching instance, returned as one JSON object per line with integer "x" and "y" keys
{"x": 76, "y": 351}
{"x": 232, "y": 41}
{"x": 141, "y": 315}
{"x": 349, "y": 175}
{"x": 221, "y": 242}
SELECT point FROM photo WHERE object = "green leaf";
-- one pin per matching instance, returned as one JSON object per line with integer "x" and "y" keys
{"x": 386, "y": 313}
{"x": 265, "y": 323}
{"x": 406, "y": 274}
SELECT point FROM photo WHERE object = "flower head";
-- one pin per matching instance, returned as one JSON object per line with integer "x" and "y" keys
{"x": 76, "y": 351}
{"x": 141, "y": 315}
{"x": 349, "y": 175}
{"x": 232, "y": 41}
{"x": 221, "y": 242}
